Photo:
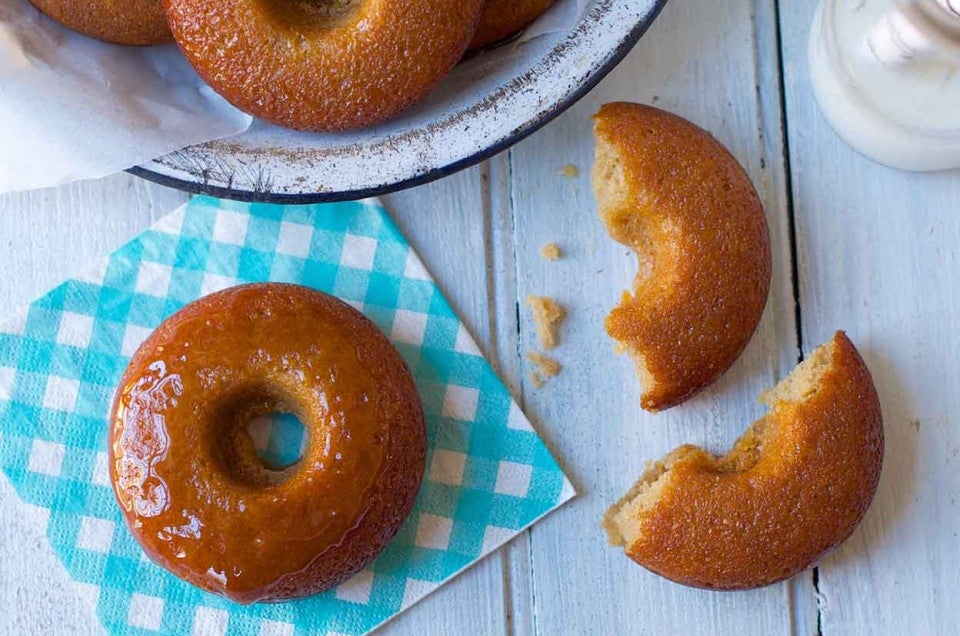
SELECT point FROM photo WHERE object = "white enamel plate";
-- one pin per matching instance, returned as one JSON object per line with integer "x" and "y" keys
{"x": 487, "y": 104}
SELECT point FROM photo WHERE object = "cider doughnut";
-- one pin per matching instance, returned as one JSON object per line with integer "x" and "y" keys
{"x": 185, "y": 471}
{"x": 323, "y": 65}
{"x": 135, "y": 22}
{"x": 503, "y": 18}
{"x": 794, "y": 486}
{"x": 678, "y": 198}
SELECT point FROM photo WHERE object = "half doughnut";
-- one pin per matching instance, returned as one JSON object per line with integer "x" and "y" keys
{"x": 678, "y": 198}
{"x": 794, "y": 486}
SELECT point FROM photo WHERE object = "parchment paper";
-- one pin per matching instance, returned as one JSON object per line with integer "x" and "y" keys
{"x": 73, "y": 108}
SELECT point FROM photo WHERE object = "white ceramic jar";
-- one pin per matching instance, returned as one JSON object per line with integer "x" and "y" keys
{"x": 886, "y": 74}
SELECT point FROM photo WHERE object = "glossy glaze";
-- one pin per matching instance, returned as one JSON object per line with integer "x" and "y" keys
{"x": 185, "y": 470}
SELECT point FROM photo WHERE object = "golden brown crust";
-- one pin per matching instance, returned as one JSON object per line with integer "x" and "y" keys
{"x": 793, "y": 487}
{"x": 503, "y": 18}
{"x": 185, "y": 471}
{"x": 675, "y": 195}
{"x": 134, "y": 22}
{"x": 323, "y": 71}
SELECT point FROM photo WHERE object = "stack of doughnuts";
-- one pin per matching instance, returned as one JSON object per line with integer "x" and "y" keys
{"x": 313, "y": 65}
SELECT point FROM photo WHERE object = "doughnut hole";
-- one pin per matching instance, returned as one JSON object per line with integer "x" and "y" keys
{"x": 241, "y": 443}
{"x": 312, "y": 14}
{"x": 279, "y": 438}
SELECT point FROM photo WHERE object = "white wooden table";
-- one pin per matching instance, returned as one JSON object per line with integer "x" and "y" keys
{"x": 856, "y": 246}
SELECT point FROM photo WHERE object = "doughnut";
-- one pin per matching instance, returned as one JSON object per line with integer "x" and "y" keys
{"x": 134, "y": 22}
{"x": 675, "y": 196}
{"x": 503, "y": 18}
{"x": 794, "y": 486}
{"x": 184, "y": 467}
{"x": 329, "y": 65}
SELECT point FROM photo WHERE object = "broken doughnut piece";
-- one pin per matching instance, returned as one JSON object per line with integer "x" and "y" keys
{"x": 675, "y": 196}
{"x": 794, "y": 486}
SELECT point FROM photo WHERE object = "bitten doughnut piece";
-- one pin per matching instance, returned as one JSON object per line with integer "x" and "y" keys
{"x": 503, "y": 18}
{"x": 135, "y": 22}
{"x": 794, "y": 486}
{"x": 678, "y": 198}
{"x": 323, "y": 66}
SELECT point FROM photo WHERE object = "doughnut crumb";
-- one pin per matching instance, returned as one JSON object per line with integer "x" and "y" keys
{"x": 550, "y": 252}
{"x": 547, "y": 316}
{"x": 546, "y": 368}
{"x": 536, "y": 380}
{"x": 570, "y": 171}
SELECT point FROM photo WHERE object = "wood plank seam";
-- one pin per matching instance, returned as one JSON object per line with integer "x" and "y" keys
{"x": 534, "y": 616}
{"x": 501, "y": 262}
{"x": 518, "y": 352}
{"x": 794, "y": 256}
{"x": 493, "y": 324}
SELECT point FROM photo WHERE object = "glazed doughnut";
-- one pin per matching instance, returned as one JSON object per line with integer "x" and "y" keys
{"x": 185, "y": 471}
{"x": 325, "y": 66}
{"x": 503, "y": 18}
{"x": 135, "y": 22}
{"x": 673, "y": 194}
{"x": 794, "y": 486}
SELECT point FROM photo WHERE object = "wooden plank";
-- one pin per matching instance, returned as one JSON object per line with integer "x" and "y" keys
{"x": 879, "y": 257}
{"x": 447, "y": 223}
{"x": 46, "y": 236}
{"x": 590, "y": 414}
{"x": 50, "y": 234}
{"x": 505, "y": 330}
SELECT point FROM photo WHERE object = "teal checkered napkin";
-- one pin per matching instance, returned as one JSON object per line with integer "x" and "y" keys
{"x": 488, "y": 475}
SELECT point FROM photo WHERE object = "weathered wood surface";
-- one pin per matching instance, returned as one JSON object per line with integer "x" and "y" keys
{"x": 875, "y": 252}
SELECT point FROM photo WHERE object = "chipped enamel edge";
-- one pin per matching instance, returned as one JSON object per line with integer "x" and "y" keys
{"x": 268, "y": 164}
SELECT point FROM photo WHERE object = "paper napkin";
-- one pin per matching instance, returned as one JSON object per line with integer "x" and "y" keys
{"x": 488, "y": 474}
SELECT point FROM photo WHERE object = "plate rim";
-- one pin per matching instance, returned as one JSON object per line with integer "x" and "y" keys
{"x": 307, "y": 198}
